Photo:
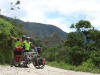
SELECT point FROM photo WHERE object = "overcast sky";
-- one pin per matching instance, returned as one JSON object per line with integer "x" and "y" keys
{"x": 61, "y": 13}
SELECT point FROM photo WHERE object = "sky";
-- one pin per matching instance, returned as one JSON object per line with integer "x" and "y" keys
{"x": 61, "y": 13}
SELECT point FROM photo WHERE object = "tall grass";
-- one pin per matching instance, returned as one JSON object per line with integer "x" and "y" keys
{"x": 85, "y": 67}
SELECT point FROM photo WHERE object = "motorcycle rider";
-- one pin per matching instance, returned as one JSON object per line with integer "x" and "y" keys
{"x": 27, "y": 45}
{"x": 22, "y": 41}
{"x": 19, "y": 43}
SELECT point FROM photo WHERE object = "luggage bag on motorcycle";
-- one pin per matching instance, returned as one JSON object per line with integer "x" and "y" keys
{"x": 18, "y": 54}
{"x": 39, "y": 50}
{"x": 39, "y": 63}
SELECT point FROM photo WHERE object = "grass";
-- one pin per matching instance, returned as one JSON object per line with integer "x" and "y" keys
{"x": 83, "y": 68}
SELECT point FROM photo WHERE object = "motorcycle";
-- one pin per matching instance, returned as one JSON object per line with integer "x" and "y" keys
{"x": 24, "y": 59}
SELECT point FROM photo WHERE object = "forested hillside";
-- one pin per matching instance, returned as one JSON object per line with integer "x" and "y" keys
{"x": 52, "y": 41}
{"x": 80, "y": 50}
{"x": 6, "y": 45}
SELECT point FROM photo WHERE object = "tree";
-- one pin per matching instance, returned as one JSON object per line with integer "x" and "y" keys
{"x": 74, "y": 39}
{"x": 82, "y": 25}
{"x": 72, "y": 26}
{"x": 15, "y": 5}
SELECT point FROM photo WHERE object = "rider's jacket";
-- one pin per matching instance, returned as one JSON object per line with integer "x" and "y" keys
{"x": 23, "y": 44}
{"x": 18, "y": 44}
{"x": 27, "y": 45}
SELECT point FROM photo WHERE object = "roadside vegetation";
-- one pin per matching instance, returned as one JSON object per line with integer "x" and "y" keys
{"x": 80, "y": 51}
{"x": 6, "y": 44}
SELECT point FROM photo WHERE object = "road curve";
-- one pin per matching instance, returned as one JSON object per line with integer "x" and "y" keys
{"x": 7, "y": 70}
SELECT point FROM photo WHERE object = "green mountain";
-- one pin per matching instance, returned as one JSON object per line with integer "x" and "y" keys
{"x": 39, "y": 29}
{"x": 52, "y": 41}
{"x": 43, "y": 30}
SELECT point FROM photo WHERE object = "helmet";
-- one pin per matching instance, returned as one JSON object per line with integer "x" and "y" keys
{"x": 27, "y": 38}
{"x": 23, "y": 36}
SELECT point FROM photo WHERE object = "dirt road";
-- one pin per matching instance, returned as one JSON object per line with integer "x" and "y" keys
{"x": 7, "y": 70}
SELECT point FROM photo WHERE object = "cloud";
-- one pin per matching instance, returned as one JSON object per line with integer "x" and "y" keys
{"x": 60, "y": 13}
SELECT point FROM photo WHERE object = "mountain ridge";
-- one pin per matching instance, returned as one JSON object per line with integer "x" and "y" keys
{"x": 39, "y": 29}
